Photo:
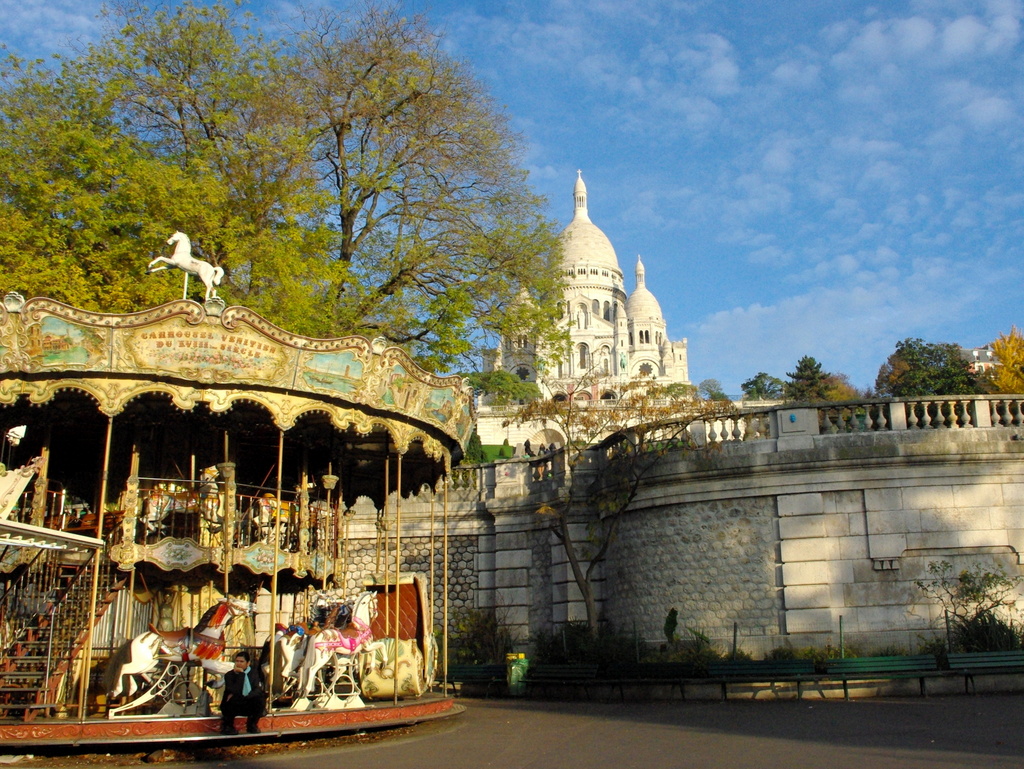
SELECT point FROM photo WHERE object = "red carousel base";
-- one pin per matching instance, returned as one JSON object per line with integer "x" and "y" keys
{"x": 20, "y": 737}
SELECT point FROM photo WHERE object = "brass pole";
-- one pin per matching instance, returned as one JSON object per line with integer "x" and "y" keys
{"x": 384, "y": 525}
{"x": 444, "y": 583}
{"x": 398, "y": 563}
{"x": 277, "y": 547}
{"x": 83, "y": 693}
{"x": 430, "y": 561}
{"x": 227, "y": 523}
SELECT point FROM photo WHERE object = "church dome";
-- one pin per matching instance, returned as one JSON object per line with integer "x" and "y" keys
{"x": 583, "y": 243}
{"x": 641, "y": 304}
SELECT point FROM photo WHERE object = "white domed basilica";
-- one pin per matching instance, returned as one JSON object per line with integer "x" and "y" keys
{"x": 615, "y": 338}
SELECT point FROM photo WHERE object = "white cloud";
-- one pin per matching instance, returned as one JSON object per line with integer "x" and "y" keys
{"x": 963, "y": 37}
{"x": 38, "y": 28}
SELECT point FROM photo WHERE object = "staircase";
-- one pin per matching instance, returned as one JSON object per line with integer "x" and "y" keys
{"x": 44, "y": 618}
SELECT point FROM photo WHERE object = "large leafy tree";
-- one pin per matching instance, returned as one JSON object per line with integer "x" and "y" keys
{"x": 763, "y": 387}
{"x": 1008, "y": 376}
{"x": 919, "y": 368}
{"x": 349, "y": 177}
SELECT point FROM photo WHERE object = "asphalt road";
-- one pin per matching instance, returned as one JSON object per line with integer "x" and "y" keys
{"x": 946, "y": 732}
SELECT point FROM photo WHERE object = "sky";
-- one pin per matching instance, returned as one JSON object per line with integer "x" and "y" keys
{"x": 800, "y": 177}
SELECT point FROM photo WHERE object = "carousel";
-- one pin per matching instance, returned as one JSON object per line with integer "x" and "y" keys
{"x": 179, "y": 484}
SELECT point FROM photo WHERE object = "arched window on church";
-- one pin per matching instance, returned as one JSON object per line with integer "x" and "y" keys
{"x": 584, "y": 357}
{"x": 581, "y": 316}
{"x": 597, "y": 309}
{"x": 560, "y": 398}
{"x": 607, "y": 310}
{"x": 523, "y": 373}
{"x": 631, "y": 339}
{"x": 646, "y": 369}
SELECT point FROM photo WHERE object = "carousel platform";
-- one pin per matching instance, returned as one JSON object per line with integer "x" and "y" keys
{"x": 152, "y": 731}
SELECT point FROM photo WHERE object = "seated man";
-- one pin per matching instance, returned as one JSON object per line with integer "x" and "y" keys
{"x": 243, "y": 696}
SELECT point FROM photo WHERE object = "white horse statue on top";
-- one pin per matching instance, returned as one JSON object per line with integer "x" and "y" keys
{"x": 182, "y": 259}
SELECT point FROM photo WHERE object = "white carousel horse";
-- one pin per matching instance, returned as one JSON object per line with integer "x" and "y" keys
{"x": 337, "y": 648}
{"x": 145, "y": 654}
{"x": 290, "y": 645}
{"x": 182, "y": 259}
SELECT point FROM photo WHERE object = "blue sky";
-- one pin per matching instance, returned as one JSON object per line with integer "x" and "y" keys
{"x": 800, "y": 177}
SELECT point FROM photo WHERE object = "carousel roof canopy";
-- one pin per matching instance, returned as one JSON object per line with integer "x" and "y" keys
{"x": 223, "y": 356}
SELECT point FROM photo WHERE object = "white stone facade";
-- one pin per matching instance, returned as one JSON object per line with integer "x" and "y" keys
{"x": 615, "y": 337}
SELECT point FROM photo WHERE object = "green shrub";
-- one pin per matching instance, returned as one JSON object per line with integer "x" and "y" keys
{"x": 985, "y": 633}
{"x": 573, "y": 643}
{"x": 479, "y": 636}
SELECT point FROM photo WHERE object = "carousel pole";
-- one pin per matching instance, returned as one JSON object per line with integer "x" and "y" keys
{"x": 277, "y": 547}
{"x": 444, "y": 582}
{"x": 330, "y": 564}
{"x": 398, "y": 561}
{"x": 83, "y": 688}
{"x": 227, "y": 526}
{"x": 39, "y": 501}
{"x": 133, "y": 481}
{"x": 383, "y": 530}
{"x": 431, "y": 561}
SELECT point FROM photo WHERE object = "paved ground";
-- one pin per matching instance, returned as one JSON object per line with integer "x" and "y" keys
{"x": 946, "y": 732}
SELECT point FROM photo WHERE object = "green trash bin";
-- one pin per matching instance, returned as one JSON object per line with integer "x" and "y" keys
{"x": 517, "y": 667}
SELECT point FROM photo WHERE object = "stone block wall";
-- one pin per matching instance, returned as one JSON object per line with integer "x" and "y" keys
{"x": 715, "y": 562}
{"x": 787, "y": 541}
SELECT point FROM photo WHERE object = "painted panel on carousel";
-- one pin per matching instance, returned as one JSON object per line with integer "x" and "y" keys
{"x": 333, "y": 372}
{"x": 58, "y": 343}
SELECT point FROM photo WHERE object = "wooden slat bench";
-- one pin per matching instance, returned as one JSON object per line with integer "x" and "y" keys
{"x": 968, "y": 664}
{"x": 577, "y": 676}
{"x": 920, "y": 666}
{"x": 671, "y": 674}
{"x": 725, "y": 672}
{"x": 486, "y": 675}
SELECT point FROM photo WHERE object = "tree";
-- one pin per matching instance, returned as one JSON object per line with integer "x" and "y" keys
{"x": 918, "y": 368}
{"x": 1008, "y": 376}
{"x": 647, "y": 422}
{"x": 503, "y": 387}
{"x": 839, "y": 388}
{"x": 808, "y": 383}
{"x": 763, "y": 387}
{"x": 350, "y": 177}
{"x": 712, "y": 390}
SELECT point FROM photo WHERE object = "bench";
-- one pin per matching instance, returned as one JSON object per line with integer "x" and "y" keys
{"x": 920, "y": 666}
{"x": 672, "y": 674}
{"x": 570, "y": 675}
{"x": 995, "y": 663}
{"x": 727, "y": 672}
{"x": 486, "y": 675}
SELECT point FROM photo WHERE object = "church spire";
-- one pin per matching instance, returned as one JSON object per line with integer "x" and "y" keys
{"x": 640, "y": 273}
{"x": 579, "y": 193}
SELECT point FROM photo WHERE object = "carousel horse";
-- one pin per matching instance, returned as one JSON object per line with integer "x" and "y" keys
{"x": 336, "y": 648}
{"x": 182, "y": 259}
{"x": 290, "y": 642}
{"x": 144, "y": 655}
{"x": 159, "y": 505}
